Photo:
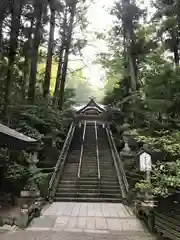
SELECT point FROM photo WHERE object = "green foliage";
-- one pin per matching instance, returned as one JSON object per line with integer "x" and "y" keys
{"x": 15, "y": 177}
{"x": 166, "y": 178}
{"x": 42, "y": 116}
{"x": 143, "y": 184}
{"x": 143, "y": 81}
{"x": 166, "y": 141}
{"x": 26, "y": 105}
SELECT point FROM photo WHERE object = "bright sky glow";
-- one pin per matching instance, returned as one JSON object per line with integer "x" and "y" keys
{"x": 100, "y": 20}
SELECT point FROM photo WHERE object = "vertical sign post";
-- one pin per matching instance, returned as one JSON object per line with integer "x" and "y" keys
{"x": 146, "y": 166}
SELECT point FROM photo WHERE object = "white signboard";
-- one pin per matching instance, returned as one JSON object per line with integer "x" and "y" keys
{"x": 145, "y": 162}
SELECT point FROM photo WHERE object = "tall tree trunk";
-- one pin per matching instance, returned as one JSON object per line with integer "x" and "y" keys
{"x": 58, "y": 77}
{"x": 175, "y": 46}
{"x": 130, "y": 39}
{"x": 50, "y": 51}
{"x": 34, "y": 59}
{"x": 1, "y": 34}
{"x": 13, "y": 42}
{"x": 66, "y": 57}
{"x": 60, "y": 63}
{"x": 27, "y": 59}
{"x": 3, "y": 10}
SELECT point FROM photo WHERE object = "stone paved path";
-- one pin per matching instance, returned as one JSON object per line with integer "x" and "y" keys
{"x": 83, "y": 221}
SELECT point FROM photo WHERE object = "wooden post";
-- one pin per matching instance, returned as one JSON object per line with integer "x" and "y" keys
{"x": 148, "y": 179}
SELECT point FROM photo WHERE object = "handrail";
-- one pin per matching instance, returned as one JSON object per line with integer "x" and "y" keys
{"x": 118, "y": 164}
{"x": 82, "y": 150}
{"x": 97, "y": 151}
{"x": 119, "y": 161}
{"x": 62, "y": 156}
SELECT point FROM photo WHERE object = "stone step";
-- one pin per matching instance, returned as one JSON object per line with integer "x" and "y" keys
{"x": 88, "y": 194}
{"x": 83, "y": 186}
{"x": 89, "y": 199}
{"x": 92, "y": 165}
{"x": 90, "y": 160}
{"x": 107, "y": 170}
{"x": 85, "y": 170}
{"x": 88, "y": 190}
{"x": 70, "y": 170}
{"x": 71, "y": 167}
{"x": 88, "y": 176}
{"x": 71, "y": 164}
{"x": 108, "y": 166}
{"x": 71, "y": 161}
{"x": 108, "y": 173}
{"x": 103, "y": 175}
{"x": 89, "y": 182}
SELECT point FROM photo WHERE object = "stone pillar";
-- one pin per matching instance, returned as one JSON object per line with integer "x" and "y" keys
{"x": 23, "y": 220}
{"x": 126, "y": 154}
{"x": 127, "y": 157}
{"x": 31, "y": 190}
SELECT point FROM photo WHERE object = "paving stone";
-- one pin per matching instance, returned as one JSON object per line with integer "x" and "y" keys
{"x": 60, "y": 209}
{"x": 91, "y": 222}
{"x": 76, "y": 210}
{"x": 114, "y": 224}
{"x": 61, "y": 222}
{"x": 135, "y": 225}
{"x": 38, "y": 229}
{"x": 90, "y": 210}
{"x": 105, "y": 210}
{"x": 68, "y": 209}
{"x": 95, "y": 231}
{"x": 98, "y": 210}
{"x": 125, "y": 225}
{"x": 82, "y": 222}
{"x": 44, "y": 221}
{"x": 83, "y": 210}
{"x": 72, "y": 222}
{"x": 74, "y": 230}
{"x": 72, "y": 235}
{"x": 101, "y": 223}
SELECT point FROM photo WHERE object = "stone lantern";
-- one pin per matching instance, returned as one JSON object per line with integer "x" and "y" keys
{"x": 126, "y": 153}
{"x": 33, "y": 160}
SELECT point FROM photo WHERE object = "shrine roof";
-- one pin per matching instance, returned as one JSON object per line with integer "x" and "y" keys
{"x": 12, "y": 139}
{"x": 91, "y": 105}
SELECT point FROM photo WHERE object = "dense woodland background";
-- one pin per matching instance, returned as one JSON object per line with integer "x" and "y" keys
{"x": 38, "y": 89}
{"x": 143, "y": 80}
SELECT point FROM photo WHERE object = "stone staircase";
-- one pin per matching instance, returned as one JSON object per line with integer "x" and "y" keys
{"x": 87, "y": 188}
{"x": 110, "y": 188}
{"x": 67, "y": 186}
